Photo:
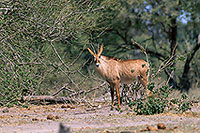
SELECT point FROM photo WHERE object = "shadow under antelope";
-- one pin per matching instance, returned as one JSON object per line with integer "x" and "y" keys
{"x": 114, "y": 71}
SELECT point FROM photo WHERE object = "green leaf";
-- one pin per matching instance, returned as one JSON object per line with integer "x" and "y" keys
{"x": 132, "y": 70}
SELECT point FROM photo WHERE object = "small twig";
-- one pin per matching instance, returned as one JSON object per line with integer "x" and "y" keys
{"x": 30, "y": 63}
{"x": 72, "y": 63}
{"x": 169, "y": 77}
{"x": 54, "y": 49}
{"x": 164, "y": 65}
{"x": 173, "y": 50}
{"x": 140, "y": 46}
{"x": 62, "y": 88}
{"x": 81, "y": 92}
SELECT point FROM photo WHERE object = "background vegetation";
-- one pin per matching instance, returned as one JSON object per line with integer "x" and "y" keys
{"x": 43, "y": 44}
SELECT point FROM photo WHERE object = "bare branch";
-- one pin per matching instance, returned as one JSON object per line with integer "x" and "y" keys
{"x": 54, "y": 49}
{"x": 81, "y": 92}
{"x": 61, "y": 89}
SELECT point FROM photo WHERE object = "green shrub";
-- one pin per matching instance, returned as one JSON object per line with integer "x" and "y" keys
{"x": 160, "y": 102}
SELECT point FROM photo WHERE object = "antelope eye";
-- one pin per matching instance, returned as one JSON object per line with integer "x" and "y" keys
{"x": 99, "y": 57}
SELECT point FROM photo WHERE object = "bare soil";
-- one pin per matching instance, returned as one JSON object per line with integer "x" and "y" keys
{"x": 99, "y": 118}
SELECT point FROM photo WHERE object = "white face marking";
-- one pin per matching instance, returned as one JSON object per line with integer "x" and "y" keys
{"x": 97, "y": 64}
{"x": 97, "y": 60}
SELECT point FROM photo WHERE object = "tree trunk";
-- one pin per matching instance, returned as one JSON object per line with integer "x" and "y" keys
{"x": 185, "y": 80}
{"x": 172, "y": 34}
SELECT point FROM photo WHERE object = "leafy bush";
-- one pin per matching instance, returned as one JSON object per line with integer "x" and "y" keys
{"x": 160, "y": 102}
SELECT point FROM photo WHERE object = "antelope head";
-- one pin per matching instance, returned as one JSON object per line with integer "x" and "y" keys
{"x": 97, "y": 57}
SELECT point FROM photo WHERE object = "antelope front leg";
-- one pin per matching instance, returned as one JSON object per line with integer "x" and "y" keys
{"x": 112, "y": 95}
{"x": 118, "y": 94}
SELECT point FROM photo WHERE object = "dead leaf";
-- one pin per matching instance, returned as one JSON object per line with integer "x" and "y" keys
{"x": 35, "y": 119}
{"x": 50, "y": 117}
{"x": 161, "y": 126}
{"x": 57, "y": 117}
{"x": 68, "y": 106}
{"x": 150, "y": 128}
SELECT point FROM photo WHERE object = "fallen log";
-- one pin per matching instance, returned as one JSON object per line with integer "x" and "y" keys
{"x": 47, "y": 99}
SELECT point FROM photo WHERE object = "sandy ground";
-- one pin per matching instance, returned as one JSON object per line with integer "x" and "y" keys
{"x": 47, "y": 118}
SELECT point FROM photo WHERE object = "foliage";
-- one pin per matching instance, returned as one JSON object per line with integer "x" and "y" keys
{"x": 160, "y": 102}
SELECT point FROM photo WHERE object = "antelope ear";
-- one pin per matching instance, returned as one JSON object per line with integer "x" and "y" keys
{"x": 101, "y": 49}
{"x": 91, "y": 52}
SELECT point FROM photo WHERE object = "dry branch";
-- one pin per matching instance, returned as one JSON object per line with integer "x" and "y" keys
{"x": 61, "y": 89}
{"x": 88, "y": 91}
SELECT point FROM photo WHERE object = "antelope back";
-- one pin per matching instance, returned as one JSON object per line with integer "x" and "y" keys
{"x": 112, "y": 69}
{"x": 130, "y": 70}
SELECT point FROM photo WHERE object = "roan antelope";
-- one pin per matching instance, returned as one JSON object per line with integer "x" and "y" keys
{"x": 114, "y": 71}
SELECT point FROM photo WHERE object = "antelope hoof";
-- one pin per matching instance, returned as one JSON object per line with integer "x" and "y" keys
{"x": 149, "y": 93}
{"x": 111, "y": 107}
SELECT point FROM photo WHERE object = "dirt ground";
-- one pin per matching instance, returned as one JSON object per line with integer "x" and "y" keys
{"x": 99, "y": 118}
